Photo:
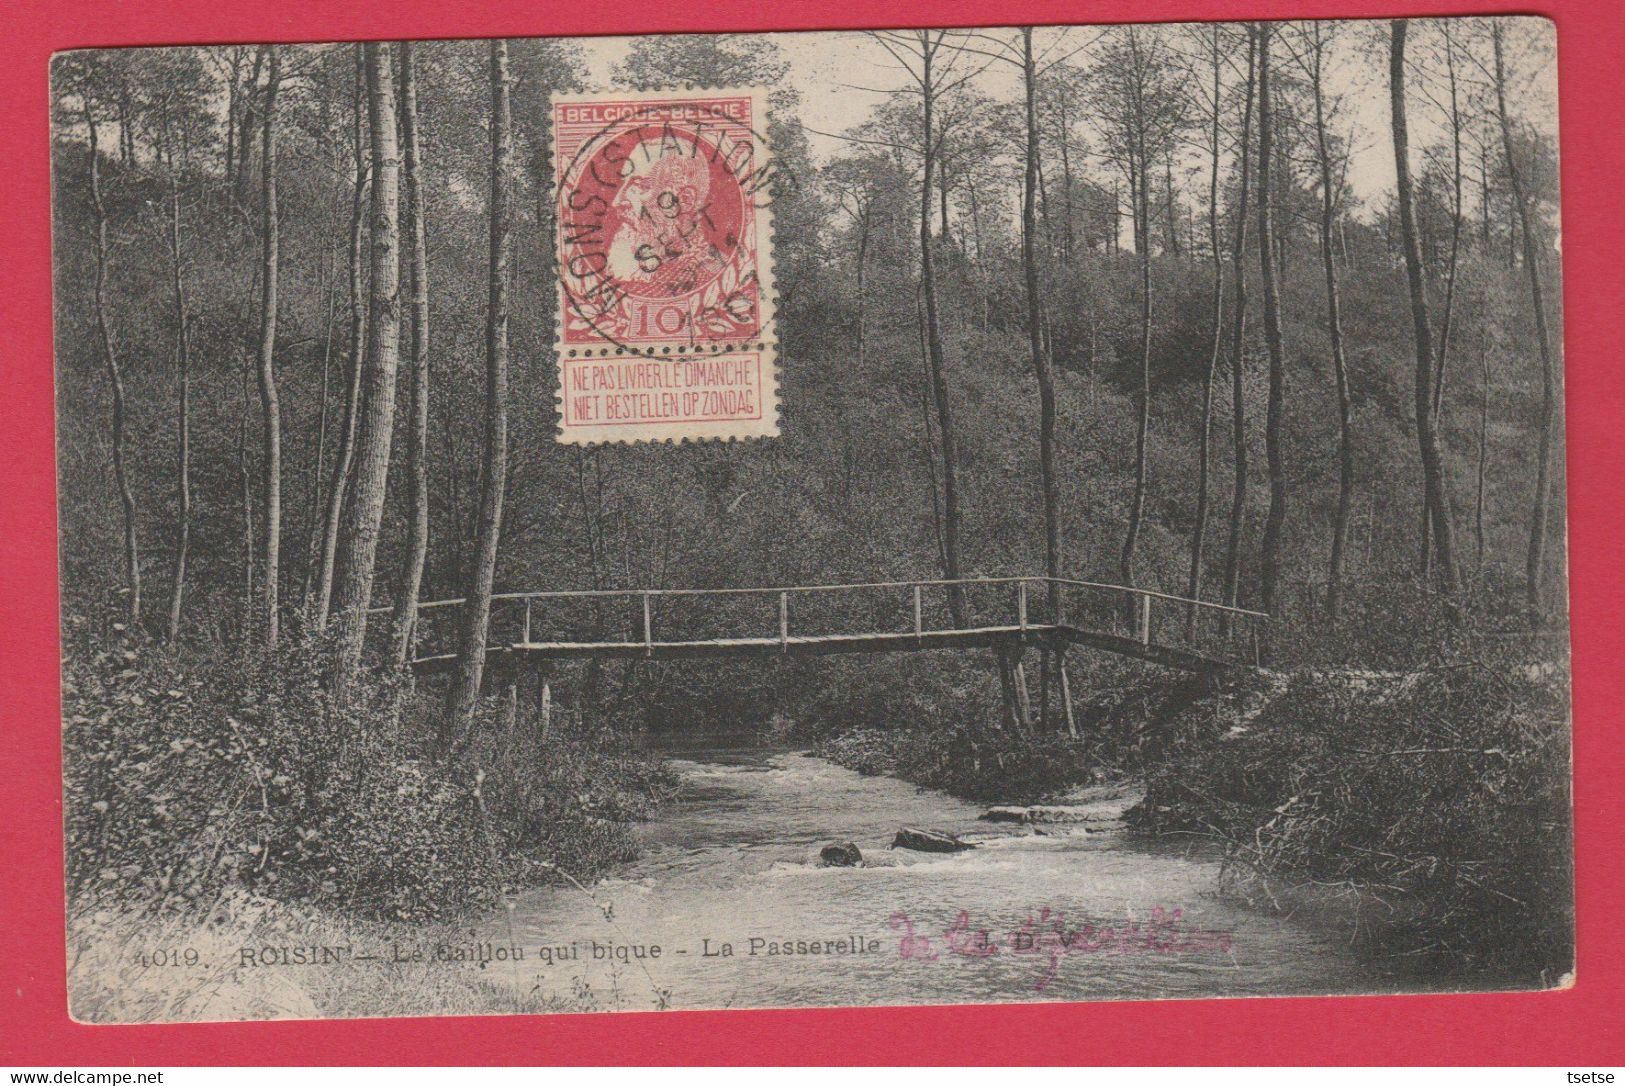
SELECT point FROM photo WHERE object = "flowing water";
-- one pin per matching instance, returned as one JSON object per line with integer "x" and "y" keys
{"x": 730, "y": 873}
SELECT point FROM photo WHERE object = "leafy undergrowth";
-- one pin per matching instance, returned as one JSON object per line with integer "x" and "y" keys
{"x": 1438, "y": 797}
{"x": 964, "y": 750}
{"x": 191, "y": 776}
{"x": 991, "y": 767}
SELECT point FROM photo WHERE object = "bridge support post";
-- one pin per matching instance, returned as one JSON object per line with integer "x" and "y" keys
{"x": 1066, "y": 693}
{"x": 542, "y": 693}
{"x": 510, "y": 702}
{"x": 1024, "y": 704}
{"x": 648, "y": 627}
{"x": 1013, "y": 682}
{"x": 546, "y": 698}
{"x": 1044, "y": 655}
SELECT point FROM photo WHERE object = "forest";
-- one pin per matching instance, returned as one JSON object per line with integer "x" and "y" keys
{"x": 1093, "y": 302}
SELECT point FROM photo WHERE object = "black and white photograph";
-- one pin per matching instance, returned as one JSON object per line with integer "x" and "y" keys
{"x": 819, "y": 519}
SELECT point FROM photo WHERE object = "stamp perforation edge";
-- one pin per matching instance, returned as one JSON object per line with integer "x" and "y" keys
{"x": 768, "y": 300}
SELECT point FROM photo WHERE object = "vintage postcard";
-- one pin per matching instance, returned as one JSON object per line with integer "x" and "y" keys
{"x": 1145, "y": 576}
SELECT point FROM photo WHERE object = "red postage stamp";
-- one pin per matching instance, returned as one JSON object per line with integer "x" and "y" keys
{"x": 664, "y": 254}
{"x": 663, "y": 205}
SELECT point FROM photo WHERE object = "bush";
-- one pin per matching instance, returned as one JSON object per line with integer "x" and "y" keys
{"x": 189, "y": 775}
{"x": 940, "y": 726}
{"x": 1441, "y": 793}
{"x": 975, "y": 764}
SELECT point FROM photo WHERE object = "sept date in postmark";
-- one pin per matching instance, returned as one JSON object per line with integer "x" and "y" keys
{"x": 665, "y": 266}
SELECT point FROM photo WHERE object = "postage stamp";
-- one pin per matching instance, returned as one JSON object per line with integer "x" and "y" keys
{"x": 664, "y": 254}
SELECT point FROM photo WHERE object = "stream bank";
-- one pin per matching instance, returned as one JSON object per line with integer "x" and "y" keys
{"x": 730, "y": 905}
{"x": 1425, "y": 809}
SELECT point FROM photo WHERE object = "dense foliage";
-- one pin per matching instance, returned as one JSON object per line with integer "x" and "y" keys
{"x": 1438, "y": 797}
{"x": 187, "y": 776}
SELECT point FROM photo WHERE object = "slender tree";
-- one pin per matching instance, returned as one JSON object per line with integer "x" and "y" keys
{"x": 417, "y": 449}
{"x": 858, "y": 182}
{"x": 921, "y": 55}
{"x": 115, "y": 374}
{"x": 1204, "y": 429}
{"x": 1274, "y": 453}
{"x": 358, "y": 545}
{"x": 1316, "y": 43}
{"x": 270, "y": 399}
{"x": 1140, "y": 194}
{"x": 1427, "y": 440}
{"x": 172, "y": 104}
{"x": 1035, "y": 334}
{"x": 344, "y": 460}
{"x": 476, "y": 611}
{"x": 1483, "y": 436}
{"x": 1143, "y": 111}
{"x": 1535, "y": 556}
{"x": 247, "y": 106}
{"x": 1453, "y": 113}
{"x": 327, "y": 288}
{"x": 1022, "y": 57}
{"x": 1238, "y": 340}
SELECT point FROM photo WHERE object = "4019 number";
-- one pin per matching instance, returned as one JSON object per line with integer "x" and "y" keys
{"x": 159, "y": 959}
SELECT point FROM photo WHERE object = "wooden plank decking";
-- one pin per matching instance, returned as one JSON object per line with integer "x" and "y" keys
{"x": 831, "y": 644}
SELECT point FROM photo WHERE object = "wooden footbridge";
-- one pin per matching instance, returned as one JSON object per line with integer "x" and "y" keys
{"x": 1006, "y": 614}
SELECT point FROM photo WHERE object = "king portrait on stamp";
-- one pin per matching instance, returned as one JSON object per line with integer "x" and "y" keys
{"x": 664, "y": 252}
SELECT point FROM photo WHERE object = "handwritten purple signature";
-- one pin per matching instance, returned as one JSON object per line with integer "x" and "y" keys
{"x": 1046, "y": 936}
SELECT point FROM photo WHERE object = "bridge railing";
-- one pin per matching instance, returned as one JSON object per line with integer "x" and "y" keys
{"x": 650, "y": 616}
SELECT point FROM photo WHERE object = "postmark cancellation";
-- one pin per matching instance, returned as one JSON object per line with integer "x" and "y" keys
{"x": 665, "y": 288}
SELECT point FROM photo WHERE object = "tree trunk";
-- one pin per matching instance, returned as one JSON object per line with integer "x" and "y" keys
{"x": 934, "y": 355}
{"x": 270, "y": 400}
{"x": 1171, "y": 211}
{"x": 343, "y": 463}
{"x": 1427, "y": 441}
{"x": 863, "y": 258}
{"x": 476, "y": 611}
{"x": 115, "y": 377}
{"x": 1064, "y": 139}
{"x": 246, "y": 493}
{"x": 1535, "y": 557}
{"x": 326, "y": 277}
{"x": 417, "y": 544}
{"x": 1275, "y": 454}
{"x": 1334, "y": 329}
{"x": 1238, "y": 342}
{"x": 1035, "y": 340}
{"x": 1446, "y": 322}
{"x": 232, "y": 109}
{"x": 1140, "y": 194}
{"x": 929, "y": 445}
{"x": 1483, "y": 444}
{"x": 183, "y": 420}
{"x": 245, "y": 122}
{"x": 358, "y": 548}
{"x": 1204, "y": 452}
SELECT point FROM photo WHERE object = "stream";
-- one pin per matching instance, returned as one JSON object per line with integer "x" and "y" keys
{"x": 729, "y": 906}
